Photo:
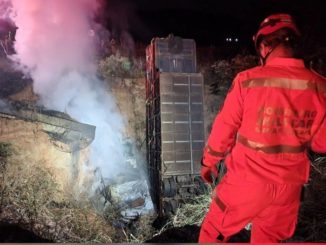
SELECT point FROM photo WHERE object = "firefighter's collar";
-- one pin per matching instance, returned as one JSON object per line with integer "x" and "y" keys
{"x": 278, "y": 61}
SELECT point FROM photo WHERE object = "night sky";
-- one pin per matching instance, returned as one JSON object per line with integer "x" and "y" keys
{"x": 210, "y": 22}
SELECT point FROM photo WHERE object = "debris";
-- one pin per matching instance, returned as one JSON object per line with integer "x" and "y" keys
{"x": 59, "y": 126}
{"x": 133, "y": 198}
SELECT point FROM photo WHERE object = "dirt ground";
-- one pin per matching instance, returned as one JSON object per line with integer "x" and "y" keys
{"x": 190, "y": 234}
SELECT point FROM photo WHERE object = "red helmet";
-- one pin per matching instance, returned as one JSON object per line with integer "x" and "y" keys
{"x": 274, "y": 23}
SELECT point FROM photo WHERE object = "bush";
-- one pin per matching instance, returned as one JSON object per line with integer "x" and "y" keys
{"x": 222, "y": 72}
{"x": 120, "y": 66}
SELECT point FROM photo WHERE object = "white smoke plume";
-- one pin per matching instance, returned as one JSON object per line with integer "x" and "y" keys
{"x": 54, "y": 43}
{"x": 5, "y": 9}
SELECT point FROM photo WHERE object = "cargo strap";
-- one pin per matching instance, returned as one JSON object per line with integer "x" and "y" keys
{"x": 270, "y": 149}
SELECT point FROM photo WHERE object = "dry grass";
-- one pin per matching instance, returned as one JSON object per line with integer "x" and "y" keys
{"x": 187, "y": 216}
{"x": 192, "y": 213}
{"x": 141, "y": 230}
{"x": 31, "y": 198}
{"x": 189, "y": 213}
{"x": 312, "y": 217}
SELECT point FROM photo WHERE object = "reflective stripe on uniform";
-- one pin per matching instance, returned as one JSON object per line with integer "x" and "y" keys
{"x": 218, "y": 202}
{"x": 270, "y": 149}
{"x": 214, "y": 153}
{"x": 283, "y": 83}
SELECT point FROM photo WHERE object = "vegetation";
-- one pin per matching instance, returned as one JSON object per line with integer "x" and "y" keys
{"x": 31, "y": 198}
{"x": 192, "y": 213}
{"x": 312, "y": 217}
{"x": 116, "y": 65}
{"x": 222, "y": 72}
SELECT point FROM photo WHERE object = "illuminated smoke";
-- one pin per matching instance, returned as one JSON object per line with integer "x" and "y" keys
{"x": 55, "y": 45}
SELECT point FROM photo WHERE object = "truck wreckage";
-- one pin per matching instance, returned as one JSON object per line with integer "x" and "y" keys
{"x": 59, "y": 126}
{"x": 175, "y": 133}
{"x": 129, "y": 194}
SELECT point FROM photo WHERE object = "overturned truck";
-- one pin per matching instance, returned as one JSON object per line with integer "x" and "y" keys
{"x": 174, "y": 122}
{"x": 59, "y": 126}
{"x": 49, "y": 139}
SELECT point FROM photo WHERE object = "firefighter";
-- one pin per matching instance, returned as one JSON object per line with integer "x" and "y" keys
{"x": 272, "y": 114}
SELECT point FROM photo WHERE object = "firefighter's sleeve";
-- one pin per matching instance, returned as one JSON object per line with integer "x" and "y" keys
{"x": 318, "y": 142}
{"x": 225, "y": 126}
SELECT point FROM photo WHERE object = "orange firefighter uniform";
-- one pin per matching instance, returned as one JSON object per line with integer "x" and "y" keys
{"x": 271, "y": 115}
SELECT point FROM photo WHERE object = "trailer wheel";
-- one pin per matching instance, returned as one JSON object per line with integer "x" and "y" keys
{"x": 169, "y": 188}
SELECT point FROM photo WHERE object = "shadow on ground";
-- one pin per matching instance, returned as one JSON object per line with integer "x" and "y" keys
{"x": 10, "y": 233}
{"x": 190, "y": 233}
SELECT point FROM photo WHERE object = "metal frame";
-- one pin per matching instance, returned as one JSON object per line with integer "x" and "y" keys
{"x": 174, "y": 99}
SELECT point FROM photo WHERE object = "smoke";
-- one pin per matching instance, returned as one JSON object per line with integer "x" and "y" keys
{"x": 5, "y": 9}
{"x": 55, "y": 46}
